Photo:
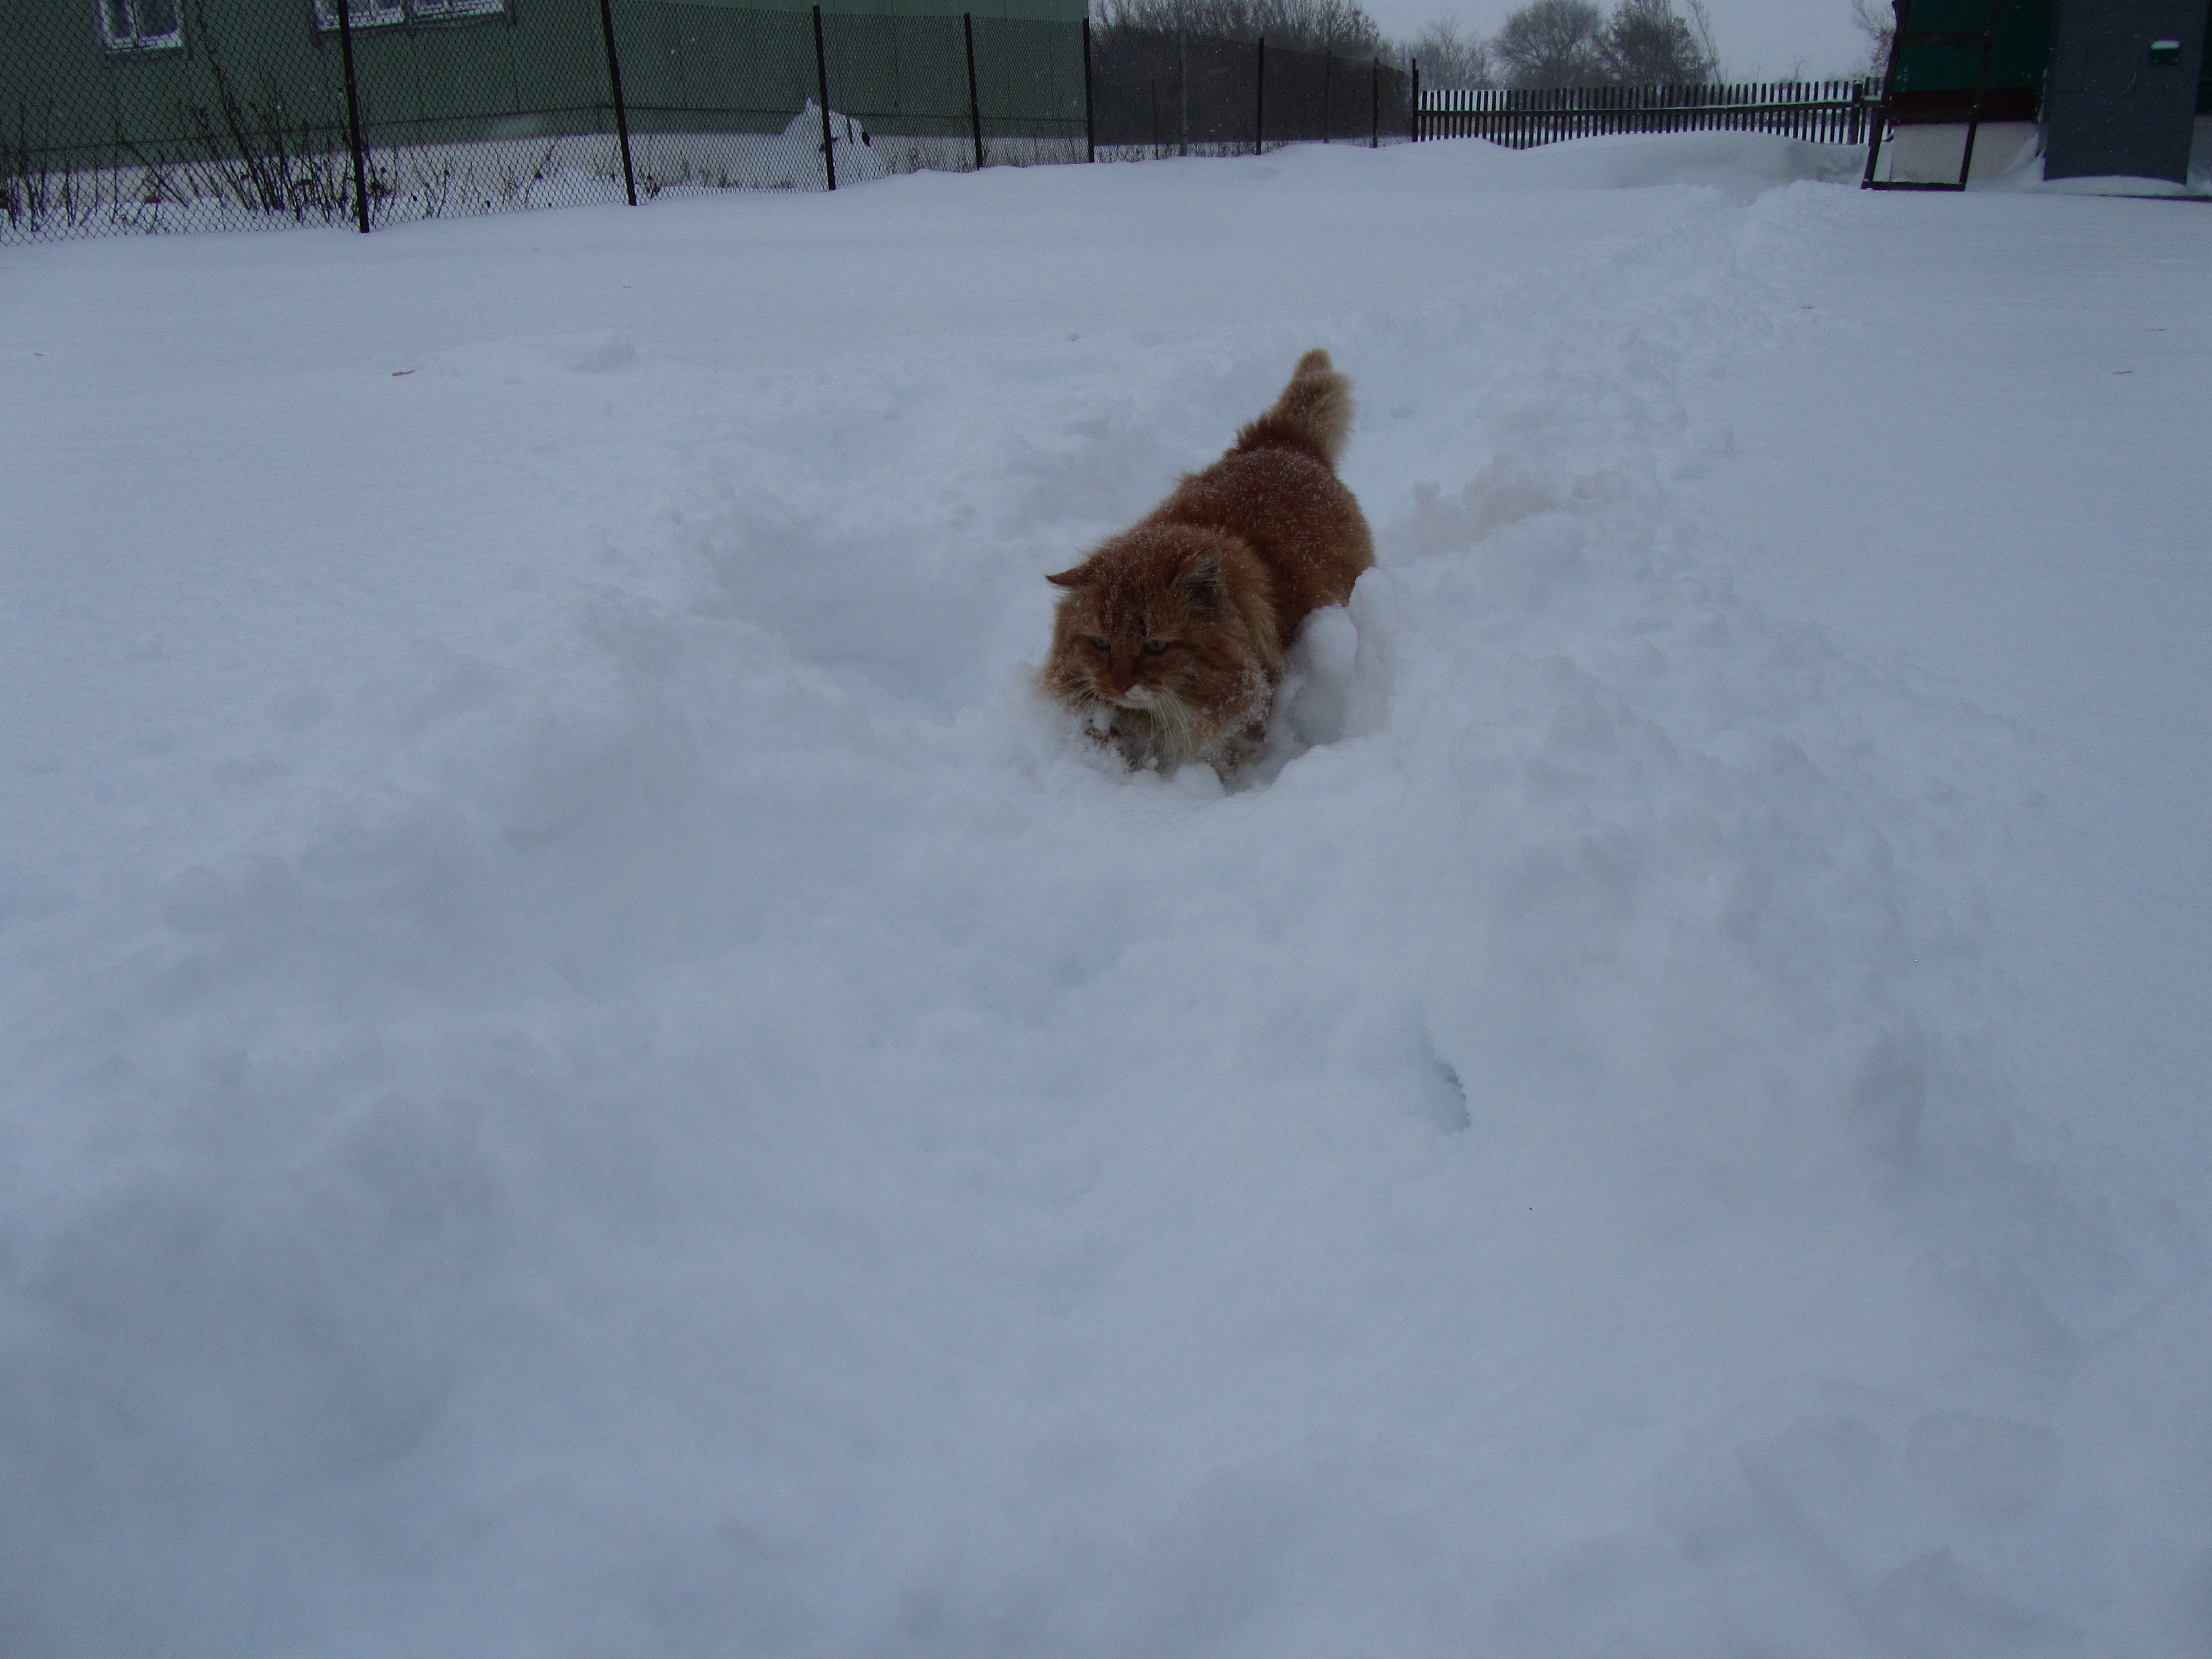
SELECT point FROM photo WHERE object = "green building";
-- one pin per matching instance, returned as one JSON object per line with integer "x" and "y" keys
{"x": 2098, "y": 89}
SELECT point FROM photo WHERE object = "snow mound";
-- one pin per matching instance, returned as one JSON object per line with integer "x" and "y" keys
{"x": 1742, "y": 163}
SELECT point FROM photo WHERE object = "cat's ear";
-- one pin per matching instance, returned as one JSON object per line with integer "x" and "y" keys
{"x": 1079, "y": 577}
{"x": 1201, "y": 578}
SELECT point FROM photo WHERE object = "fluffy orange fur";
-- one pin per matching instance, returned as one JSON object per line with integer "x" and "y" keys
{"x": 1169, "y": 642}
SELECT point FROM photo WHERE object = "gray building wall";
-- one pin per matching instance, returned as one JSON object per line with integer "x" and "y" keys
{"x": 2117, "y": 106}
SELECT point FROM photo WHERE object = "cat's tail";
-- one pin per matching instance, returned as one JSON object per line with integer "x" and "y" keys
{"x": 1314, "y": 413}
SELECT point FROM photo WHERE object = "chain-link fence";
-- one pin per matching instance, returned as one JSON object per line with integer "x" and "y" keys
{"x": 167, "y": 115}
{"x": 122, "y": 115}
{"x": 1166, "y": 92}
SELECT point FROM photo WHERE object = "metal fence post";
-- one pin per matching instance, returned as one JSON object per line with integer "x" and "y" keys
{"x": 822, "y": 84}
{"x": 1259, "y": 100}
{"x": 1089, "y": 133}
{"x": 353, "y": 115}
{"x": 1183, "y": 86}
{"x": 1902, "y": 11}
{"x": 1981, "y": 92}
{"x": 614, "y": 85}
{"x": 1413, "y": 103}
{"x": 1375, "y": 90}
{"x": 974, "y": 104}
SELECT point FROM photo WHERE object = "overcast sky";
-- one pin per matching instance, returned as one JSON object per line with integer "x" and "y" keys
{"x": 1758, "y": 39}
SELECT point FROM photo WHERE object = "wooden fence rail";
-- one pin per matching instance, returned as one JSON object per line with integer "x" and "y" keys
{"x": 1822, "y": 112}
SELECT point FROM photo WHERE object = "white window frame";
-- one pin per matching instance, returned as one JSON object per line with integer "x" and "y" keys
{"x": 134, "y": 38}
{"x": 452, "y": 11}
{"x": 360, "y": 13}
{"x": 382, "y": 14}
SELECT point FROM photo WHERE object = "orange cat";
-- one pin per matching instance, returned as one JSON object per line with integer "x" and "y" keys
{"x": 1170, "y": 640}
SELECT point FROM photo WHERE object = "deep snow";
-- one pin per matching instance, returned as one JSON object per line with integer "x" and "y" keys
{"x": 591, "y": 1074}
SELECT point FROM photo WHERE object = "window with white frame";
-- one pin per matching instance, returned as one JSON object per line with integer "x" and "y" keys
{"x": 360, "y": 13}
{"x": 371, "y": 14}
{"x": 140, "y": 25}
{"x": 432, "y": 10}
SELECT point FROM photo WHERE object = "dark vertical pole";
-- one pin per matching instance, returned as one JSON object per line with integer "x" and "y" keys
{"x": 1375, "y": 98}
{"x": 1900, "y": 9}
{"x": 1089, "y": 132}
{"x": 822, "y": 82}
{"x": 614, "y": 82}
{"x": 1413, "y": 103}
{"x": 353, "y": 115}
{"x": 1183, "y": 86}
{"x": 974, "y": 104}
{"x": 1259, "y": 99}
{"x": 1327, "y": 85}
{"x": 1981, "y": 91}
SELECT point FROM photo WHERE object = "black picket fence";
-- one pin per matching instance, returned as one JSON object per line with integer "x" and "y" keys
{"x": 1822, "y": 112}
{"x": 1167, "y": 93}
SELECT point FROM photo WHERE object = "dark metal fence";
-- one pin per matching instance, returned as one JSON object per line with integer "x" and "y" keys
{"x": 1166, "y": 92}
{"x": 1822, "y": 112}
{"x": 123, "y": 116}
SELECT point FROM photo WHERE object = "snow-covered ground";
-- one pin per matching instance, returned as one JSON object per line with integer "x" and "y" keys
{"x": 587, "y": 1073}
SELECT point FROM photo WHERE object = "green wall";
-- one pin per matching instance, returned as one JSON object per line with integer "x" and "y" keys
{"x": 2021, "y": 54}
{"x": 260, "y": 73}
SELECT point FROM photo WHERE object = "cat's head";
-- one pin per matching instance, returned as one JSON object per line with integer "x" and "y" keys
{"x": 1163, "y": 620}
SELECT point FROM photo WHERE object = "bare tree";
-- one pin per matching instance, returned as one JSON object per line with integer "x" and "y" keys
{"x": 1645, "y": 44}
{"x": 1570, "y": 43}
{"x": 1552, "y": 43}
{"x": 1704, "y": 25}
{"x": 1879, "y": 24}
{"x": 1450, "y": 58}
{"x": 1342, "y": 26}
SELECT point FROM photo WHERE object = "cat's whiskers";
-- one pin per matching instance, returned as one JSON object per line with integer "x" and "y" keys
{"x": 1178, "y": 720}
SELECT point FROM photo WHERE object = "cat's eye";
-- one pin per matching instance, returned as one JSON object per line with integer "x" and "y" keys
{"x": 1153, "y": 647}
{"x": 1097, "y": 644}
